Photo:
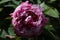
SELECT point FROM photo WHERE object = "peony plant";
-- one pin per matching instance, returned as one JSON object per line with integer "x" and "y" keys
{"x": 28, "y": 20}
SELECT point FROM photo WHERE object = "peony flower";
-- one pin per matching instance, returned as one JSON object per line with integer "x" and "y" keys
{"x": 28, "y": 20}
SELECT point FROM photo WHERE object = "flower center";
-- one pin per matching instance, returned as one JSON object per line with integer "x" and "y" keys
{"x": 27, "y": 19}
{"x": 32, "y": 15}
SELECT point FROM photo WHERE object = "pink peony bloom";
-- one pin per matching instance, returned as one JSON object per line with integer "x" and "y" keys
{"x": 28, "y": 20}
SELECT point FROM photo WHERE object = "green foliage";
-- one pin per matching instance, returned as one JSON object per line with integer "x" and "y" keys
{"x": 49, "y": 27}
{"x": 51, "y": 9}
{"x": 11, "y": 31}
{"x": 44, "y": 6}
{"x": 52, "y": 12}
{"x": 4, "y": 1}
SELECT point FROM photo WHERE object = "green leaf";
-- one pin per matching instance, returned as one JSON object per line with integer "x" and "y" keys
{"x": 52, "y": 12}
{"x": 16, "y": 2}
{"x": 3, "y": 1}
{"x": 49, "y": 27}
{"x": 11, "y": 31}
{"x": 52, "y": 1}
{"x": 38, "y": 1}
{"x": 18, "y": 38}
{"x": 49, "y": 11}
{"x": 10, "y": 5}
{"x": 44, "y": 6}
{"x": 3, "y": 34}
{"x": 1, "y": 9}
{"x": 8, "y": 18}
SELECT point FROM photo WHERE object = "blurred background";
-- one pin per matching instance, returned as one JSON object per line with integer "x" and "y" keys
{"x": 51, "y": 9}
